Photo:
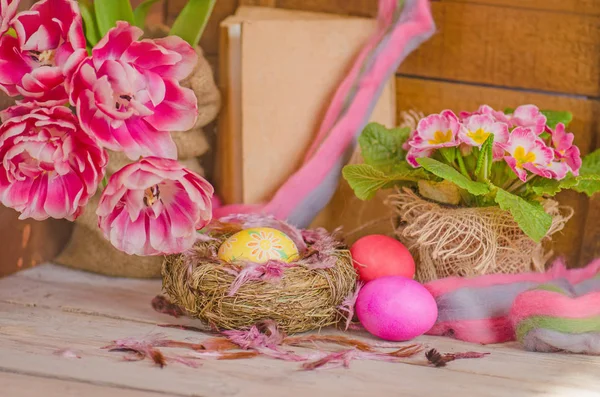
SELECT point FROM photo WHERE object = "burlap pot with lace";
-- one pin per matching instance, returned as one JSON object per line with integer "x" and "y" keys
{"x": 453, "y": 241}
{"x": 87, "y": 248}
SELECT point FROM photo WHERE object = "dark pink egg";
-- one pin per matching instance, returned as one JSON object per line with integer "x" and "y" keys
{"x": 396, "y": 308}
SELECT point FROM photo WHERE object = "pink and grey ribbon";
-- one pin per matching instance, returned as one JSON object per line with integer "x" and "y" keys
{"x": 402, "y": 27}
{"x": 544, "y": 311}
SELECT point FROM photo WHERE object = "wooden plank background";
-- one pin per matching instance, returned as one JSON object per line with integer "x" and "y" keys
{"x": 500, "y": 52}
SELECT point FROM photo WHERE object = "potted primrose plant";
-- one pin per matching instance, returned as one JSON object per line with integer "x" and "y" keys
{"x": 474, "y": 192}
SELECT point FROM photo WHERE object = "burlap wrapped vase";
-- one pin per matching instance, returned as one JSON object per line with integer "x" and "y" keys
{"x": 87, "y": 248}
{"x": 458, "y": 241}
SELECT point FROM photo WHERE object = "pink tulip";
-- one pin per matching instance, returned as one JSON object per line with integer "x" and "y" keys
{"x": 50, "y": 167}
{"x": 154, "y": 207}
{"x": 49, "y": 46}
{"x": 8, "y": 9}
{"x": 128, "y": 95}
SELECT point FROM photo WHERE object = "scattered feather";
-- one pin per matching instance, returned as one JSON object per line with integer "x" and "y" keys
{"x": 219, "y": 344}
{"x": 342, "y": 341}
{"x": 225, "y": 355}
{"x": 337, "y": 359}
{"x": 266, "y": 340}
{"x": 438, "y": 359}
{"x": 265, "y": 334}
{"x": 355, "y": 327}
{"x": 323, "y": 245}
{"x": 158, "y": 357}
{"x": 348, "y": 304}
{"x": 344, "y": 357}
{"x": 269, "y": 271}
{"x": 162, "y": 305}
{"x": 333, "y": 339}
{"x": 203, "y": 237}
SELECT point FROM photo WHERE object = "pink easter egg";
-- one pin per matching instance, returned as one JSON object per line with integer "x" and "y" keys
{"x": 378, "y": 255}
{"x": 396, "y": 308}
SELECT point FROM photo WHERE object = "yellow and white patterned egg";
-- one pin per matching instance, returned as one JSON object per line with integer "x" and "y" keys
{"x": 258, "y": 245}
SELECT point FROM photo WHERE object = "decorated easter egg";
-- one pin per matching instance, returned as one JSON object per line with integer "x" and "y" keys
{"x": 259, "y": 245}
{"x": 396, "y": 308}
{"x": 377, "y": 256}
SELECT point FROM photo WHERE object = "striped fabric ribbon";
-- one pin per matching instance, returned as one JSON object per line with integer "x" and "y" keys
{"x": 552, "y": 319}
{"x": 402, "y": 27}
{"x": 478, "y": 309}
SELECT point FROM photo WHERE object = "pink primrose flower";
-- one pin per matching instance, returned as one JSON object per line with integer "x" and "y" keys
{"x": 527, "y": 152}
{"x": 486, "y": 110}
{"x": 414, "y": 153}
{"x": 476, "y": 129}
{"x": 564, "y": 150}
{"x": 436, "y": 131}
{"x": 529, "y": 116}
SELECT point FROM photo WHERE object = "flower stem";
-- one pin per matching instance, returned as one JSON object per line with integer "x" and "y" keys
{"x": 461, "y": 164}
{"x": 518, "y": 183}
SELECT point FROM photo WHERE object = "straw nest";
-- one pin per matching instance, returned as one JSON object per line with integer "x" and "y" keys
{"x": 308, "y": 294}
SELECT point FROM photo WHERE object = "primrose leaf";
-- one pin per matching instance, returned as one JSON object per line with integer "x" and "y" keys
{"x": 450, "y": 174}
{"x": 589, "y": 174}
{"x": 554, "y": 117}
{"x": 545, "y": 186}
{"x": 382, "y": 147}
{"x": 366, "y": 180}
{"x": 588, "y": 184}
{"x": 529, "y": 215}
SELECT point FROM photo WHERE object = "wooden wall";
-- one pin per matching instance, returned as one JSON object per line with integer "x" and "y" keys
{"x": 500, "y": 52}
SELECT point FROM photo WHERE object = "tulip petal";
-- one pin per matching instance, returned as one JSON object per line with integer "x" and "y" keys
{"x": 114, "y": 44}
{"x": 148, "y": 141}
{"x": 188, "y": 58}
{"x": 178, "y": 111}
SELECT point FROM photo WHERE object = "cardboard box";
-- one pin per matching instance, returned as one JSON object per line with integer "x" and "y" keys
{"x": 278, "y": 71}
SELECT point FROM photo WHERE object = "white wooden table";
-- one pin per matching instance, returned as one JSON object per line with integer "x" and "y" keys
{"x": 50, "y": 308}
